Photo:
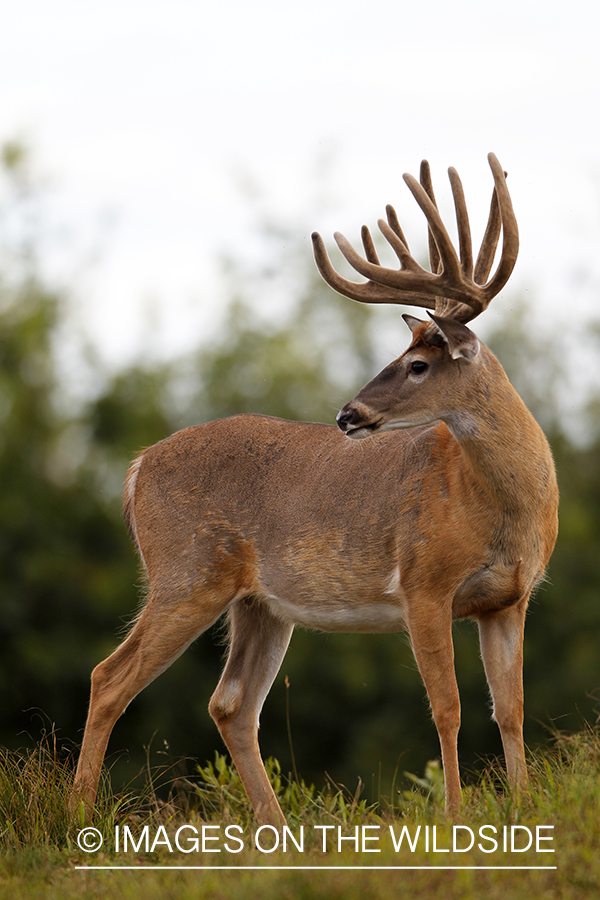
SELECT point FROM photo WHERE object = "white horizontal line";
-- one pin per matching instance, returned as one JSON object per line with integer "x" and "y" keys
{"x": 321, "y": 868}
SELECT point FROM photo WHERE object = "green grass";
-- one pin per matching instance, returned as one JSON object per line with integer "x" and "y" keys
{"x": 39, "y": 851}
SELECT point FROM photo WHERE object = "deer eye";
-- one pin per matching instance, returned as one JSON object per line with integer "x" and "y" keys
{"x": 418, "y": 367}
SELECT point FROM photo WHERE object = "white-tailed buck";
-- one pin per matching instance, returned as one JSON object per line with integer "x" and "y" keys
{"x": 447, "y": 509}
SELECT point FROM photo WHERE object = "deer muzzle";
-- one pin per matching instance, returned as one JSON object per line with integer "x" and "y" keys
{"x": 356, "y": 420}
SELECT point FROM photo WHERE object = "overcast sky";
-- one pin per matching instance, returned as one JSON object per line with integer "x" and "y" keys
{"x": 149, "y": 114}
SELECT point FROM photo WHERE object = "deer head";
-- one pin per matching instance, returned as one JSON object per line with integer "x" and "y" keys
{"x": 428, "y": 382}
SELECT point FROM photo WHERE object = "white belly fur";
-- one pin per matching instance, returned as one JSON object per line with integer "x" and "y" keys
{"x": 334, "y": 615}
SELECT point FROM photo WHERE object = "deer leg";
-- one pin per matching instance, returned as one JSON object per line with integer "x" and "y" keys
{"x": 259, "y": 641}
{"x": 501, "y": 641}
{"x": 160, "y": 635}
{"x": 431, "y": 636}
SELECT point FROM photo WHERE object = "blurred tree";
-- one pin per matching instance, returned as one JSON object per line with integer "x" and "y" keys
{"x": 302, "y": 361}
{"x": 65, "y": 564}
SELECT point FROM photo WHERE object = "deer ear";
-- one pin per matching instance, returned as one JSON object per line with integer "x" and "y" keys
{"x": 462, "y": 343}
{"x": 412, "y": 321}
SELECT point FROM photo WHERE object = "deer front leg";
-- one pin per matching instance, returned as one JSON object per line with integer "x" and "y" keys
{"x": 501, "y": 641}
{"x": 431, "y": 635}
{"x": 259, "y": 641}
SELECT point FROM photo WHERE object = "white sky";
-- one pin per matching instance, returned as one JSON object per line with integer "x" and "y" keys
{"x": 147, "y": 112}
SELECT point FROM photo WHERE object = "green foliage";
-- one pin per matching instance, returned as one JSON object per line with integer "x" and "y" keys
{"x": 33, "y": 792}
{"x": 302, "y": 364}
{"x": 432, "y": 782}
{"x": 219, "y": 791}
{"x": 35, "y": 785}
{"x": 218, "y": 794}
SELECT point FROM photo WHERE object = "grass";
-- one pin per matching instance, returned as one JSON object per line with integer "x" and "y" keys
{"x": 39, "y": 852}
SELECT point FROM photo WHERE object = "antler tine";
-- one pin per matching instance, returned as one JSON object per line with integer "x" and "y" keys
{"x": 442, "y": 255}
{"x": 333, "y": 279}
{"x": 370, "y": 251}
{"x": 487, "y": 251}
{"x": 510, "y": 232}
{"x": 454, "y": 285}
{"x": 395, "y": 224}
{"x": 398, "y": 245}
{"x": 449, "y": 259}
{"x": 425, "y": 179}
{"x": 462, "y": 222}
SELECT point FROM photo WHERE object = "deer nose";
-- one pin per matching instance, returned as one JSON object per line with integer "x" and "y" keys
{"x": 344, "y": 418}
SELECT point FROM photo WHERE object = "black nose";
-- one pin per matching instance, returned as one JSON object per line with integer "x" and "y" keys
{"x": 344, "y": 418}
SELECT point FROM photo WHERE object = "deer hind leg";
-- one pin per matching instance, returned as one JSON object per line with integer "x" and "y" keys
{"x": 259, "y": 641}
{"x": 163, "y": 631}
{"x": 501, "y": 641}
{"x": 431, "y": 637}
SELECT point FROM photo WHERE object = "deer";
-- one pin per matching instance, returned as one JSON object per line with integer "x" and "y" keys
{"x": 433, "y": 499}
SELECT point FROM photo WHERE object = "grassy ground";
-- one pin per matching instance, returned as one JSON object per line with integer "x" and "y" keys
{"x": 208, "y": 825}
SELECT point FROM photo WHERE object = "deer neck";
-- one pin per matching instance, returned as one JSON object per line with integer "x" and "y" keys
{"x": 503, "y": 447}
